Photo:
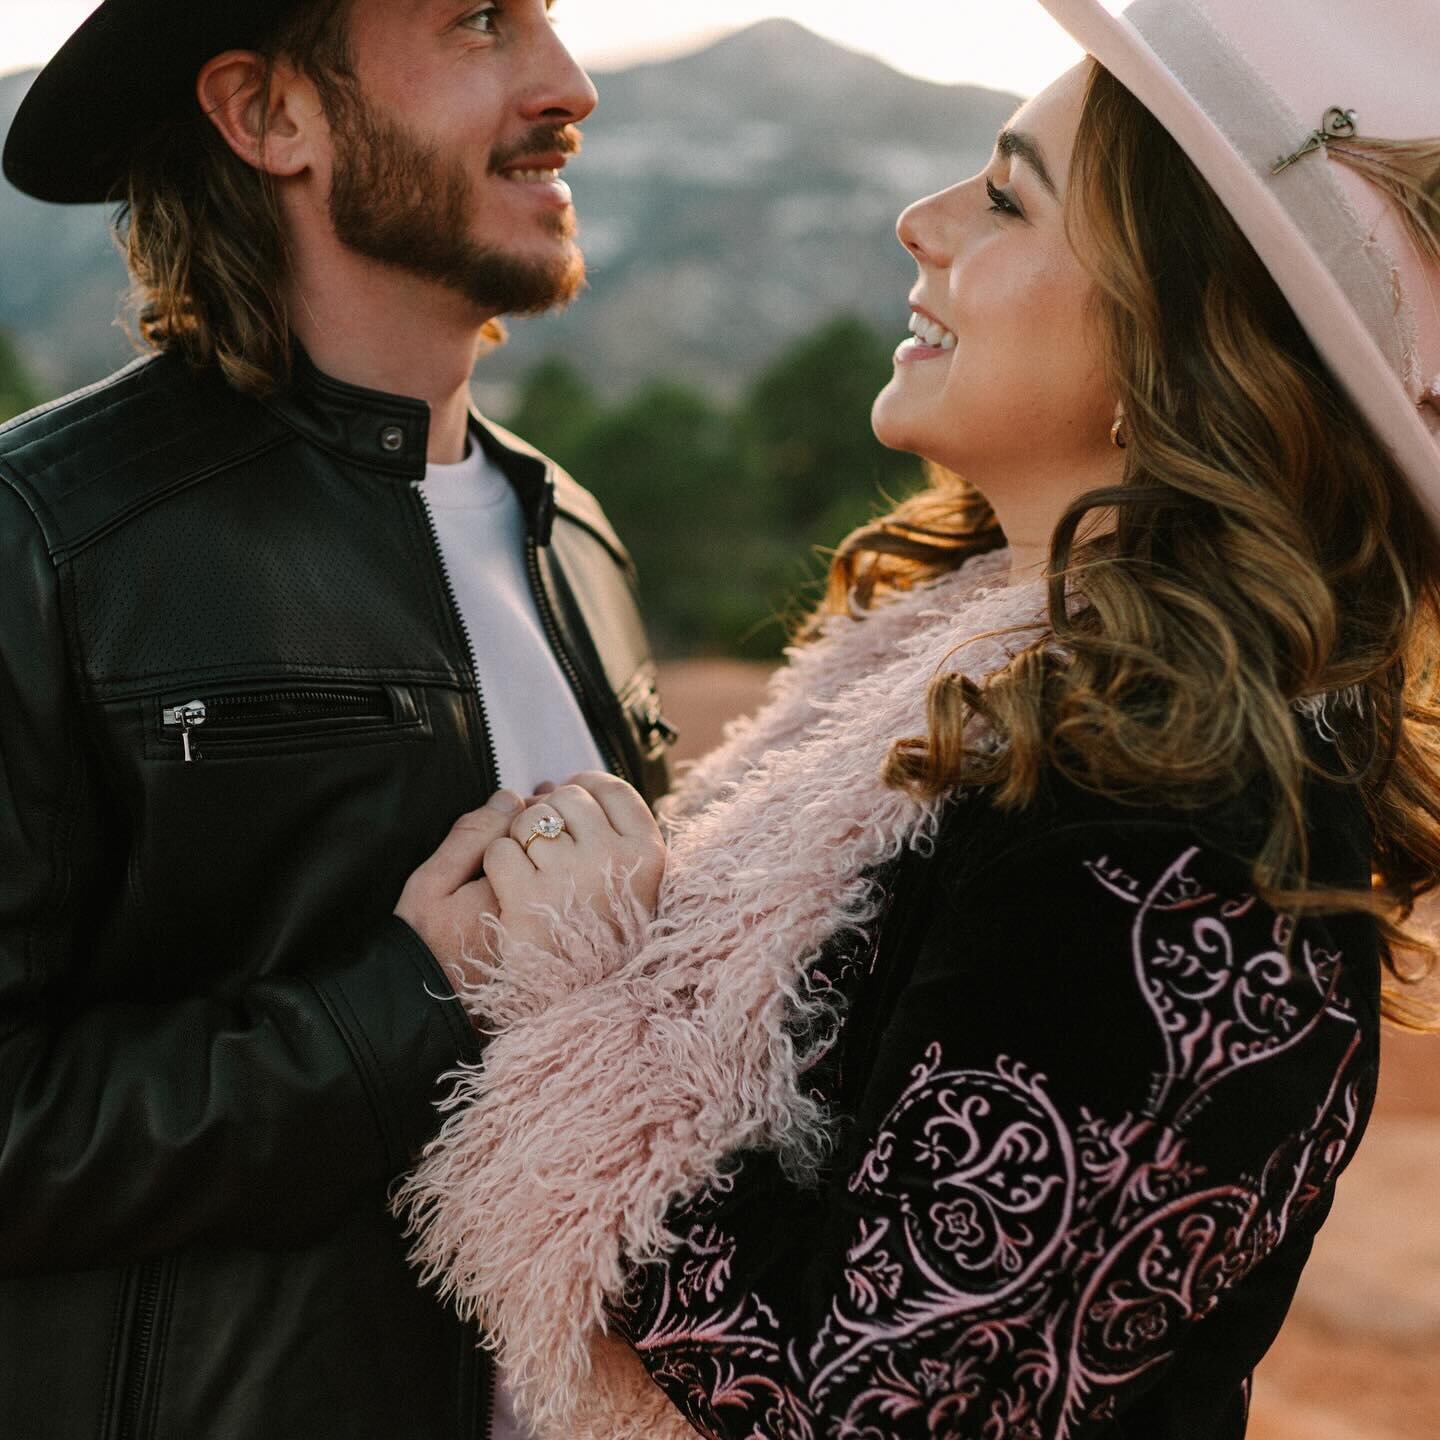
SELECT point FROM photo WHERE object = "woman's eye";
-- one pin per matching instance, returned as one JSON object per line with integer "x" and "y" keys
{"x": 483, "y": 20}
{"x": 1000, "y": 202}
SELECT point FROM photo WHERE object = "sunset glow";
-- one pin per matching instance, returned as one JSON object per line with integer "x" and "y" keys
{"x": 1011, "y": 45}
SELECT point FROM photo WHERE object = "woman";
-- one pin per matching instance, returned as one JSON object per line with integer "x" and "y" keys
{"x": 984, "y": 1065}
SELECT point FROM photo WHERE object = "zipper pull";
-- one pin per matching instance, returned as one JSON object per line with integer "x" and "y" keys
{"x": 187, "y": 717}
{"x": 661, "y": 732}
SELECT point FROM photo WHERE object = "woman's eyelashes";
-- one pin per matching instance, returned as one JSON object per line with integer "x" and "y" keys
{"x": 1001, "y": 203}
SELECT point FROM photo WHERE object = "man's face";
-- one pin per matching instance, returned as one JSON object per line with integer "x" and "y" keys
{"x": 447, "y": 152}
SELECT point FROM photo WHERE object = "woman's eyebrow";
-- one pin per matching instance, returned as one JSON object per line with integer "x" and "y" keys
{"x": 1017, "y": 143}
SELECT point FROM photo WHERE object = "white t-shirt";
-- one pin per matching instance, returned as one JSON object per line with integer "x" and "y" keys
{"x": 536, "y": 724}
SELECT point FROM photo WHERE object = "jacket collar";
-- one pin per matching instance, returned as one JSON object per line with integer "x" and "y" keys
{"x": 532, "y": 475}
{"x": 390, "y": 434}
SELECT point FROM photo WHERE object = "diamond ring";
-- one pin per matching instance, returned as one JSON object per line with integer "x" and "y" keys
{"x": 547, "y": 827}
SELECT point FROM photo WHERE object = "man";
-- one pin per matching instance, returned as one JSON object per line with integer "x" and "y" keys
{"x": 275, "y": 608}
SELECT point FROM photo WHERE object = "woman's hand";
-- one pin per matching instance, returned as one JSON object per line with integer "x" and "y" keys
{"x": 610, "y": 852}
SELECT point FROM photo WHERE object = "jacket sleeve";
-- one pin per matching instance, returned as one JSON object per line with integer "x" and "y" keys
{"x": 127, "y": 1129}
{"x": 1105, "y": 1095}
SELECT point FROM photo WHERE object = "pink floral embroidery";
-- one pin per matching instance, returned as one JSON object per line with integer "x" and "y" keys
{"x": 1014, "y": 1269}
{"x": 706, "y": 1268}
{"x": 872, "y": 1273}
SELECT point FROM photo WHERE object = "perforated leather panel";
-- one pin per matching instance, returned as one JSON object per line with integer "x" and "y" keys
{"x": 269, "y": 567}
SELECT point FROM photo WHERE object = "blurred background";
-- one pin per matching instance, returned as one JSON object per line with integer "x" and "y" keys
{"x": 738, "y": 193}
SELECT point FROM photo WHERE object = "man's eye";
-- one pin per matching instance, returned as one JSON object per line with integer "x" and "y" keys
{"x": 1000, "y": 202}
{"x": 483, "y": 21}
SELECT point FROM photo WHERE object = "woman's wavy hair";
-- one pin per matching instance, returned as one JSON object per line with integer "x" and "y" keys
{"x": 202, "y": 231}
{"x": 1263, "y": 547}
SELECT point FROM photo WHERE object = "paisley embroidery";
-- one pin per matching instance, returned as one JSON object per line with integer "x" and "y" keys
{"x": 872, "y": 1274}
{"x": 1227, "y": 994}
{"x": 993, "y": 1158}
{"x": 706, "y": 1268}
{"x": 1013, "y": 1268}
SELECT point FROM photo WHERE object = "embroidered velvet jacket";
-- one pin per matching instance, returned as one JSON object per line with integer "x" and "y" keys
{"x": 1036, "y": 1153}
{"x": 1091, "y": 1097}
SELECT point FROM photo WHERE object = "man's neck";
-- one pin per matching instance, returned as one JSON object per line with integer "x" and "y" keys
{"x": 380, "y": 328}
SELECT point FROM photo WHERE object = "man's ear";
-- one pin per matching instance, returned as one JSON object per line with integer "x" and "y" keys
{"x": 234, "y": 96}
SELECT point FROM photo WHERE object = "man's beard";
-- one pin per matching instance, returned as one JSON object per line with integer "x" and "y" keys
{"x": 394, "y": 200}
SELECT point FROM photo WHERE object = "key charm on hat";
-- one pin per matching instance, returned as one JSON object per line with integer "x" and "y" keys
{"x": 1338, "y": 124}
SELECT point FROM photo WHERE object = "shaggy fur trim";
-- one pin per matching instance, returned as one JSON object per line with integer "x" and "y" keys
{"x": 626, "y": 1065}
{"x": 524, "y": 979}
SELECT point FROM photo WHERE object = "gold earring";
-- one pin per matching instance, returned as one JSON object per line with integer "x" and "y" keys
{"x": 1117, "y": 435}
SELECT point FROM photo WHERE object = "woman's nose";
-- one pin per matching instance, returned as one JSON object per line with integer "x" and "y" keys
{"x": 923, "y": 232}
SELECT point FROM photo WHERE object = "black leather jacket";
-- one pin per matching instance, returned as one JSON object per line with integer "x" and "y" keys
{"x": 217, "y": 1045}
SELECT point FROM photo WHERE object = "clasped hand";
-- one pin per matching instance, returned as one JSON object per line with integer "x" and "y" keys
{"x": 483, "y": 868}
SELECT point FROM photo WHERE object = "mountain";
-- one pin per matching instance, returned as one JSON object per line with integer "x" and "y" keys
{"x": 730, "y": 200}
{"x": 60, "y": 279}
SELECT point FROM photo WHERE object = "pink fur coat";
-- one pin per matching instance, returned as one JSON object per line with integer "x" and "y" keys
{"x": 625, "y": 1066}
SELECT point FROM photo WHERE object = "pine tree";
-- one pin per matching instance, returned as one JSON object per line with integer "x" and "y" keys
{"x": 555, "y": 410}
{"x": 807, "y": 418}
{"x": 17, "y": 391}
{"x": 724, "y": 508}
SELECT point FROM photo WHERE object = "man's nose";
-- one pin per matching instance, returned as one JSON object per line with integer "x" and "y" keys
{"x": 562, "y": 92}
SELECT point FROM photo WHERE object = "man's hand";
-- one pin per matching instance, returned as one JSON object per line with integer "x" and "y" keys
{"x": 444, "y": 901}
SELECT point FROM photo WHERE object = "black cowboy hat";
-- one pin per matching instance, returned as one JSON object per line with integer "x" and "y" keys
{"x": 125, "y": 73}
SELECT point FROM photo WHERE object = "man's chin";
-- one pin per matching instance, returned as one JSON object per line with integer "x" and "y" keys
{"x": 513, "y": 283}
{"x": 532, "y": 285}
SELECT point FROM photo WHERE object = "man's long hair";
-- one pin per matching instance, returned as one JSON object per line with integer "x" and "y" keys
{"x": 1266, "y": 549}
{"x": 202, "y": 231}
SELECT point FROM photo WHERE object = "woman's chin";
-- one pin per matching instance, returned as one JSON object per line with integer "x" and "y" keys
{"x": 894, "y": 428}
{"x": 897, "y": 426}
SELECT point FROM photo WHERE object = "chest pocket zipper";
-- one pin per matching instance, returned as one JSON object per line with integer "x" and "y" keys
{"x": 274, "y": 714}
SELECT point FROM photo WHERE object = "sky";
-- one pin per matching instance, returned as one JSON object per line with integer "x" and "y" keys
{"x": 1003, "y": 44}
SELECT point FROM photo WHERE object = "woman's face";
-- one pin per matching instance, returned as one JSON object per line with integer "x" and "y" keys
{"x": 1005, "y": 380}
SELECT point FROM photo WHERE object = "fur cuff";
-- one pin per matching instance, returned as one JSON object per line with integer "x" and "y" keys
{"x": 514, "y": 979}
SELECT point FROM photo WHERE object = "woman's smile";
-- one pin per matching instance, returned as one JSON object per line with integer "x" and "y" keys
{"x": 929, "y": 339}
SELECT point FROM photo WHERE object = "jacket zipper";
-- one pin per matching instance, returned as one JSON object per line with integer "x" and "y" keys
{"x": 191, "y": 715}
{"x": 489, "y": 774}
{"x": 613, "y": 761}
{"x": 147, "y": 1304}
{"x": 489, "y": 1375}
{"x": 187, "y": 717}
{"x": 660, "y": 732}
{"x": 322, "y": 702}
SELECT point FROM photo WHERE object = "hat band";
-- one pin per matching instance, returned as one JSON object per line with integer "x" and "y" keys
{"x": 1261, "y": 127}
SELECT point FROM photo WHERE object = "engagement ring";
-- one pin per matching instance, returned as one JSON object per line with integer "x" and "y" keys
{"x": 547, "y": 827}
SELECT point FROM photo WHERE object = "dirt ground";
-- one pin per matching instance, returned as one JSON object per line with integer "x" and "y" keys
{"x": 1359, "y": 1358}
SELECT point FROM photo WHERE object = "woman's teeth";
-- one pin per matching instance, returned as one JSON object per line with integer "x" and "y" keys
{"x": 932, "y": 333}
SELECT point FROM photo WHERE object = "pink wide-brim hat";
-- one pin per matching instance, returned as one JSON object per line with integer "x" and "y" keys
{"x": 1244, "y": 84}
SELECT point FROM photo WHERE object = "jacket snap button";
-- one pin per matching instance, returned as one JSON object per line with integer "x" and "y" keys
{"x": 392, "y": 438}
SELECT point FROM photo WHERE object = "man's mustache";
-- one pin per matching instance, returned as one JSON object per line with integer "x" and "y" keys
{"x": 545, "y": 140}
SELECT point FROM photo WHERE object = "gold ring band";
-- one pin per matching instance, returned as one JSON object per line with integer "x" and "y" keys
{"x": 547, "y": 827}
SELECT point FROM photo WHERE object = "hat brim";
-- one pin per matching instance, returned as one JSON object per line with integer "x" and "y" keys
{"x": 128, "y": 71}
{"x": 1321, "y": 304}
